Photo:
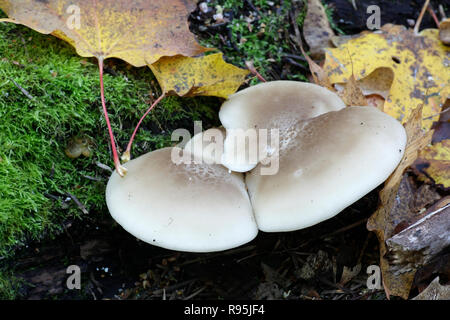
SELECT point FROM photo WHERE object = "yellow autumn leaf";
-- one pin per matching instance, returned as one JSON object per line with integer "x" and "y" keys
{"x": 417, "y": 61}
{"x": 137, "y": 31}
{"x": 202, "y": 76}
{"x": 434, "y": 163}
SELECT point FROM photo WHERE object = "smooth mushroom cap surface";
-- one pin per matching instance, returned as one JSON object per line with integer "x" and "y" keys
{"x": 207, "y": 145}
{"x": 185, "y": 207}
{"x": 334, "y": 160}
{"x": 275, "y": 104}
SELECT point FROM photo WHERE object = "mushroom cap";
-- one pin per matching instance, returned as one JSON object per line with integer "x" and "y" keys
{"x": 275, "y": 104}
{"x": 207, "y": 145}
{"x": 185, "y": 207}
{"x": 334, "y": 160}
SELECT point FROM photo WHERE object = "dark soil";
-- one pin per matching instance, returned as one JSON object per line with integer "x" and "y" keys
{"x": 392, "y": 11}
{"x": 116, "y": 265}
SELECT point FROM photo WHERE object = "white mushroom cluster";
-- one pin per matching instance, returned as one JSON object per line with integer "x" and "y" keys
{"x": 327, "y": 157}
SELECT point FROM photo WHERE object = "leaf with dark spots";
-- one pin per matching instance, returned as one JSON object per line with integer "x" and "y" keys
{"x": 418, "y": 62}
{"x": 433, "y": 164}
{"x": 316, "y": 29}
{"x": 207, "y": 76}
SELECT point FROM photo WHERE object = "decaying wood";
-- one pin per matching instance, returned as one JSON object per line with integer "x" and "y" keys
{"x": 420, "y": 242}
{"x": 435, "y": 291}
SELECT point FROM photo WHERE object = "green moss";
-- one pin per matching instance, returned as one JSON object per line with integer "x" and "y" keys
{"x": 8, "y": 285}
{"x": 262, "y": 39}
{"x": 62, "y": 100}
{"x": 333, "y": 25}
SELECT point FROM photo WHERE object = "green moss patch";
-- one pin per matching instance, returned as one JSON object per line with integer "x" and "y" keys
{"x": 48, "y": 95}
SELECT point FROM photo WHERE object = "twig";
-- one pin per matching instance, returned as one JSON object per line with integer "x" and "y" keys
{"x": 94, "y": 281}
{"x": 294, "y": 56}
{"x": 78, "y": 203}
{"x": 51, "y": 196}
{"x": 91, "y": 178}
{"x": 212, "y": 256}
{"x": 337, "y": 286}
{"x": 172, "y": 287}
{"x": 92, "y": 292}
{"x": 251, "y": 67}
{"x": 298, "y": 38}
{"x": 195, "y": 293}
{"x": 419, "y": 19}
{"x": 442, "y": 12}
{"x": 25, "y": 92}
{"x": 364, "y": 247}
{"x": 103, "y": 166}
{"x": 295, "y": 63}
{"x": 436, "y": 114}
{"x": 248, "y": 257}
{"x": 435, "y": 18}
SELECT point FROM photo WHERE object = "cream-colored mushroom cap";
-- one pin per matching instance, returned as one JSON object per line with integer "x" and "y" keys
{"x": 335, "y": 159}
{"x": 275, "y": 104}
{"x": 207, "y": 146}
{"x": 186, "y": 207}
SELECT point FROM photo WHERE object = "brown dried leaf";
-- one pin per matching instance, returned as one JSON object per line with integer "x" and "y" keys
{"x": 368, "y": 90}
{"x": 318, "y": 74}
{"x": 316, "y": 29}
{"x": 352, "y": 94}
{"x": 394, "y": 207}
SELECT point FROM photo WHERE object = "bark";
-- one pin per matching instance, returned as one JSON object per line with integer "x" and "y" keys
{"x": 416, "y": 245}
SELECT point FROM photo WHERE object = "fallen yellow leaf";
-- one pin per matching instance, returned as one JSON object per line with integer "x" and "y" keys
{"x": 203, "y": 76}
{"x": 138, "y": 31}
{"x": 419, "y": 63}
{"x": 434, "y": 164}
